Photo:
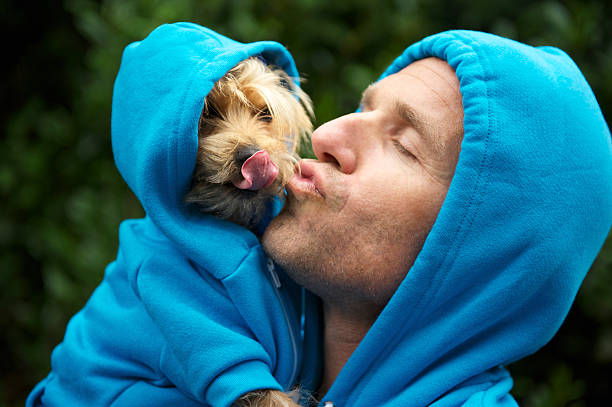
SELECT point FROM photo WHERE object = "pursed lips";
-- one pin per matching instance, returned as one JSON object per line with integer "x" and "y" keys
{"x": 305, "y": 182}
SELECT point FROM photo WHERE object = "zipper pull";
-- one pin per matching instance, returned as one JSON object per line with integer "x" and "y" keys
{"x": 329, "y": 404}
{"x": 272, "y": 271}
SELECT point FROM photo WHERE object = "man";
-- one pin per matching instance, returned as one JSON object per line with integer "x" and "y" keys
{"x": 436, "y": 268}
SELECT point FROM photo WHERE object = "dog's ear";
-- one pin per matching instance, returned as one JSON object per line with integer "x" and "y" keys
{"x": 288, "y": 83}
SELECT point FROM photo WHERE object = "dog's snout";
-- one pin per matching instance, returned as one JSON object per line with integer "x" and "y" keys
{"x": 243, "y": 153}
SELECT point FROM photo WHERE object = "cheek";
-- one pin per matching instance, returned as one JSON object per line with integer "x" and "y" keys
{"x": 384, "y": 200}
{"x": 399, "y": 211}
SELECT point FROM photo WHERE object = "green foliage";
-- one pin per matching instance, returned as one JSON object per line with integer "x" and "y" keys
{"x": 560, "y": 389}
{"x": 63, "y": 198}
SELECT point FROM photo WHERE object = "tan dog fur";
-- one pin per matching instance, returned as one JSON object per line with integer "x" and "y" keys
{"x": 253, "y": 107}
{"x": 268, "y": 398}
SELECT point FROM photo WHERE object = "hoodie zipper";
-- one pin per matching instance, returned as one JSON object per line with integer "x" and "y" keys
{"x": 277, "y": 285}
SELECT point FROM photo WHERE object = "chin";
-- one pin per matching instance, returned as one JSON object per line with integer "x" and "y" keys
{"x": 280, "y": 238}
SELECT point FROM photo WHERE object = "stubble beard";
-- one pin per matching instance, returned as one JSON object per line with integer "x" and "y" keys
{"x": 296, "y": 252}
{"x": 335, "y": 262}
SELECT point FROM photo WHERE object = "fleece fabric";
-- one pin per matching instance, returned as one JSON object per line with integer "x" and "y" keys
{"x": 528, "y": 210}
{"x": 189, "y": 313}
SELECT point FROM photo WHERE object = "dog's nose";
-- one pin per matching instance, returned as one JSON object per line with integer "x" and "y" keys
{"x": 258, "y": 172}
{"x": 244, "y": 153}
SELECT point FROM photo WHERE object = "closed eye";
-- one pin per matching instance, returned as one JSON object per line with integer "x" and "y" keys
{"x": 403, "y": 150}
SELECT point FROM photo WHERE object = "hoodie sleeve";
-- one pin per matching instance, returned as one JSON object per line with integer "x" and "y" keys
{"x": 209, "y": 351}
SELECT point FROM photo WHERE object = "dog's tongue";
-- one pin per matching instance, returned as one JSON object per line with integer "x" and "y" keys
{"x": 258, "y": 172}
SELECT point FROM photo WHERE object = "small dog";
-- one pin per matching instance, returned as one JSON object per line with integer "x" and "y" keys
{"x": 253, "y": 122}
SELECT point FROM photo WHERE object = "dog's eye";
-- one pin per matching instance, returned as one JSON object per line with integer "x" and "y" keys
{"x": 264, "y": 115}
{"x": 211, "y": 111}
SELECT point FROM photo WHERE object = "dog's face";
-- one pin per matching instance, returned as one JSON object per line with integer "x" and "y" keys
{"x": 253, "y": 121}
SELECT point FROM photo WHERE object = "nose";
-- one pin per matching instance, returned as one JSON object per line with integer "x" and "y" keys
{"x": 340, "y": 141}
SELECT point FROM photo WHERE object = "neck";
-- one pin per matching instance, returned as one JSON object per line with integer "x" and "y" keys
{"x": 343, "y": 331}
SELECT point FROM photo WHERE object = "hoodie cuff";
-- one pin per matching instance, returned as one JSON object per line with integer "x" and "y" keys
{"x": 238, "y": 380}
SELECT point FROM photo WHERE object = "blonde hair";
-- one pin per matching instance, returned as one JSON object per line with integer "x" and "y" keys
{"x": 270, "y": 398}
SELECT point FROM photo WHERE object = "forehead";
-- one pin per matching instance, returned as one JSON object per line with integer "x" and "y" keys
{"x": 428, "y": 88}
{"x": 426, "y": 83}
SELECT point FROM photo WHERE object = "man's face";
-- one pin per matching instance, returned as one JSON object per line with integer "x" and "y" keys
{"x": 357, "y": 217}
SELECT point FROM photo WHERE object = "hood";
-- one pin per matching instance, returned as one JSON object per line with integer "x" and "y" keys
{"x": 527, "y": 211}
{"x": 157, "y": 100}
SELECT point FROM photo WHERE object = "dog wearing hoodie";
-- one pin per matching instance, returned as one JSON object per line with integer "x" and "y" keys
{"x": 253, "y": 122}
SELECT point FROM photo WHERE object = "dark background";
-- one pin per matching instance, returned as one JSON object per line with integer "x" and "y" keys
{"x": 62, "y": 198}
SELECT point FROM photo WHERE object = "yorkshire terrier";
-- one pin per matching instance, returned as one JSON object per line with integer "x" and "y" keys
{"x": 252, "y": 124}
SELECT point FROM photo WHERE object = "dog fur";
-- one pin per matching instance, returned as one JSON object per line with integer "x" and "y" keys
{"x": 269, "y": 398}
{"x": 253, "y": 107}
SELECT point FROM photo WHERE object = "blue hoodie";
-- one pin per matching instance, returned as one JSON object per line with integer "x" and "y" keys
{"x": 527, "y": 211}
{"x": 189, "y": 314}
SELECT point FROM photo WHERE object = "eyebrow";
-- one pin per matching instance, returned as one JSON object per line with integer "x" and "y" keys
{"x": 425, "y": 126}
